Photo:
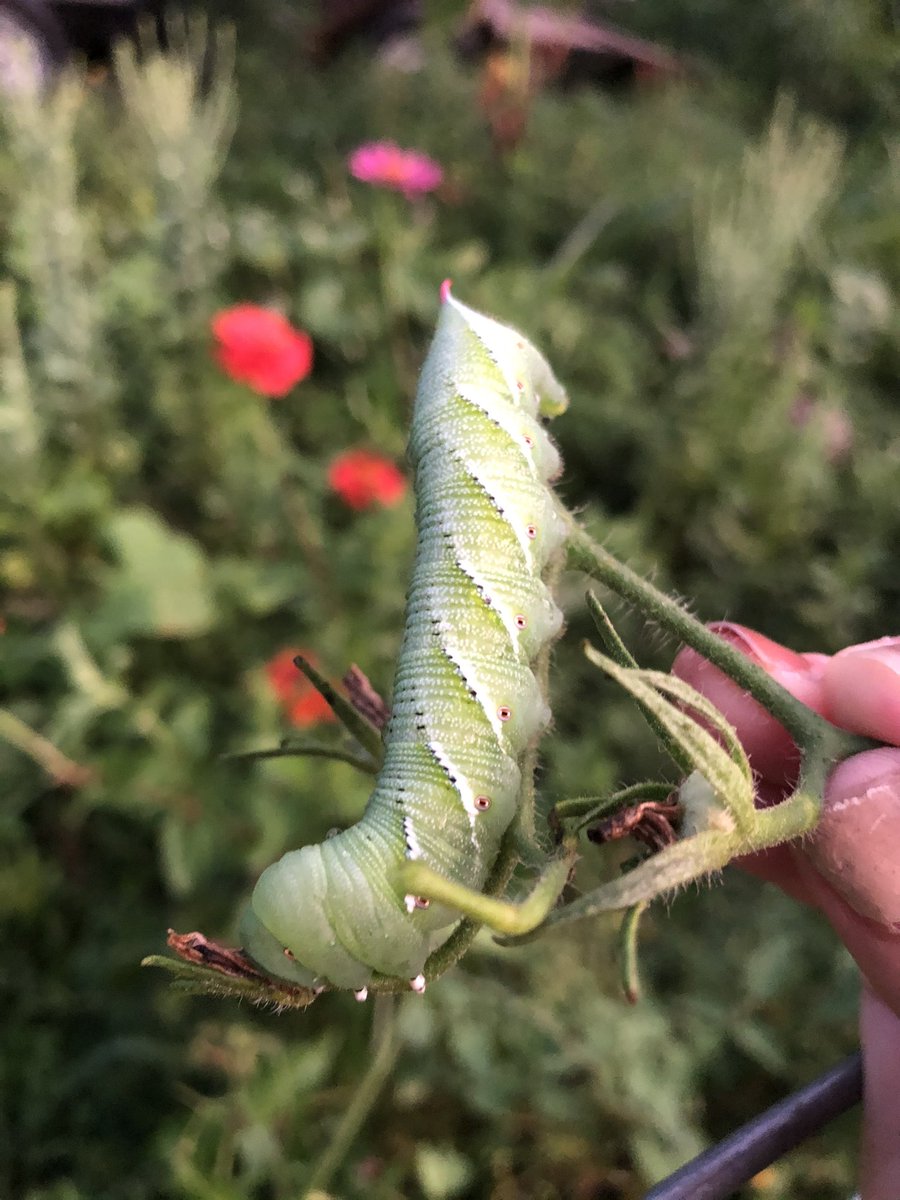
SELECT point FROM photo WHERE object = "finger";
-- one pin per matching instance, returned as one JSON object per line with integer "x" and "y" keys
{"x": 777, "y": 865}
{"x": 856, "y": 844}
{"x": 849, "y": 867}
{"x": 769, "y": 747}
{"x": 875, "y": 947}
{"x": 880, "y": 1036}
{"x": 861, "y": 689}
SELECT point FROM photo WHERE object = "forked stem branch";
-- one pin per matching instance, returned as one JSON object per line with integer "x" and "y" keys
{"x": 813, "y": 734}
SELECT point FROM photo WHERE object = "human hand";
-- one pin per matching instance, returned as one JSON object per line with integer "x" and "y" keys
{"x": 849, "y": 867}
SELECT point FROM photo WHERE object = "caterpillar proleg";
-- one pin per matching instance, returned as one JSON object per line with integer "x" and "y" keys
{"x": 467, "y": 702}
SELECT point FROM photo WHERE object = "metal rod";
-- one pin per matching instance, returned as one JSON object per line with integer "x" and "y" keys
{"x": 718, "y": 1172}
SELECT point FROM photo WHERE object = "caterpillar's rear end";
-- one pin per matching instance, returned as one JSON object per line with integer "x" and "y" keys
{"x": 467, "y": 700}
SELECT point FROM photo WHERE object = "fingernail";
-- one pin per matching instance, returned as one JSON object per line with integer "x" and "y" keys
{"x": 770, "y": 655}
{"x": 768, "y": 745}
{"x": 800, "y": 674}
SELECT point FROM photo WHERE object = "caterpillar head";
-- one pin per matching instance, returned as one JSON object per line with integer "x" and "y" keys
{"x": 527, "y": 372}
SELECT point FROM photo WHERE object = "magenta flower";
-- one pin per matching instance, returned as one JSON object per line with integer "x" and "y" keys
{"x": 385, "y": 164}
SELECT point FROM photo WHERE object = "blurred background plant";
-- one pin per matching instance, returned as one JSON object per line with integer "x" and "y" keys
{"x": 709, "y": 257}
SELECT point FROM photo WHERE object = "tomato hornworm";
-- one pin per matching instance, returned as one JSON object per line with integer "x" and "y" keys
{"x": 468, "y": 699}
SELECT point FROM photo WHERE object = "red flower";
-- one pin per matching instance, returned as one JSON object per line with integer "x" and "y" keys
{"x": 302, "y": 704}
{"x": 261, "y": 348}
{"x": 362, "y": 478}
{"x": 309, "y": 708}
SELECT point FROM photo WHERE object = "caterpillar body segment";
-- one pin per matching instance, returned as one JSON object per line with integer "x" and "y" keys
{"x": 467, "y": 702}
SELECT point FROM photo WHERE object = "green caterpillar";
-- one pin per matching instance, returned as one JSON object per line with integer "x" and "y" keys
{"x": 467, "y": 702}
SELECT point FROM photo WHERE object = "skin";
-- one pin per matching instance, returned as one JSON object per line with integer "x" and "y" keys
{"x": 849, "y": 868}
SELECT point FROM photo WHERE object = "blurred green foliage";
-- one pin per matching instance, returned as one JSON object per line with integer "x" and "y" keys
{"x": 711, "y": 265}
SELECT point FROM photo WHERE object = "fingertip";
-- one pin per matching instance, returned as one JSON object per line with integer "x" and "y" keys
{"x": 861, "y": 688}
{"x": 778, "y": 865}
{"x": 856, "y": 844}
{"x": 769, "y": 747}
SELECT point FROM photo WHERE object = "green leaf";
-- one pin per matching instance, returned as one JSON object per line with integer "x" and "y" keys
{"x": 162, "y": 585}
{"x": 354, "y": 722}
{"x": 727, "y": 770}
{"x": 619, "y": 653}
{"x": 257, "y": 588}
{"x": 201, "y": 981}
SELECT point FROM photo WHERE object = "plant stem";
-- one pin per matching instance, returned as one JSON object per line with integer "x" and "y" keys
{"x": 362, "y": 762}
{"x": 61, "y": 769}
{"x": 384, "y": 1049}
{"x": 807, "y": 728}
{"x": 783, "y": 822}
{"x": 616, "y": 649}
{"x": 357, "y": 725}
{"x": 586, "y": 809}
{"x": 628, "y": 951}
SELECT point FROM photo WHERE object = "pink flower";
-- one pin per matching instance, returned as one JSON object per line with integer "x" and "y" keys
{"x": 386, "y": 165}
{"x": 261, "y": 348}
{"x": 362, "y": 478}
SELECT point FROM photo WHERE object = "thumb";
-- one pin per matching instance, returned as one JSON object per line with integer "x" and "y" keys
{"x": 849, "y": 867}
{"x": 856, "y": 845}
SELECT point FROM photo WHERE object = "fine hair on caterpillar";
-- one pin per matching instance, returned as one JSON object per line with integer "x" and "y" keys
{"x": 468, "y": 700}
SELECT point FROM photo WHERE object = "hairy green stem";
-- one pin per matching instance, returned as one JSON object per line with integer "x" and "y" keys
{"x": 61, "y": 769}
{"x": 680, "y": 863}
{"x": 616, "y": 649}
{"x": 586, "y": 809}
{"x": 782, "y": 822}
{"x": 810, "y": 731}
{"x": 384, "y": 1047}
{"x": 362, "y": 762}
{"x": 628, "y": 951}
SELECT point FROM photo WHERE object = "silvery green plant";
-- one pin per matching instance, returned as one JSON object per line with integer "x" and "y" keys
{"x": 182, "y": 108}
